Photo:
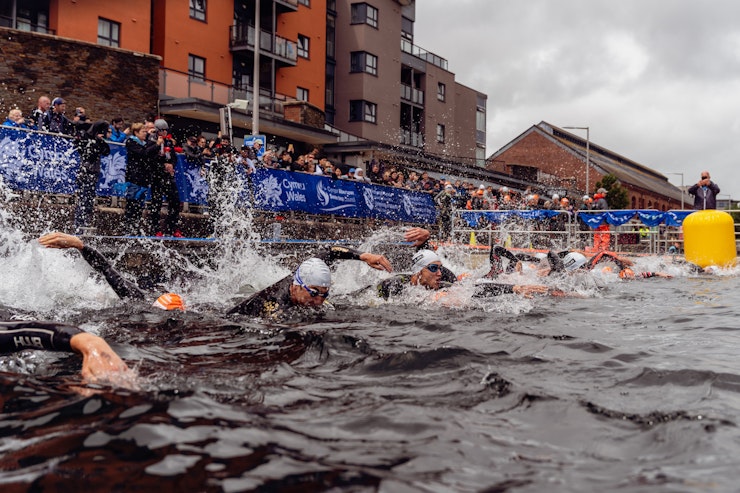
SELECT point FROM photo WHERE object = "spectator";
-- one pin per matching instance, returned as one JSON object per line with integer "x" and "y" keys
{"x": 162, "y": 179}
{"x": 705, "y": 192}
{"x": 445, "y": 201}
{"x": 55, "y": 121}
{"x": 38, "y": 115}
{"x": 426, "y": 183}
{"x": 375, "y": 172}
{"x": 141, "y": 156}
{"x": 221, "y": 181}
{"x": 338, "y": 175}
{"x": 360, "y": 176}
{"x": 91, "y": 147}
{"x": 285, "y": 161}
{"x": 80, "y": 115}
{"x": 413, "y": 182}
{"x": 119, "y": 132}
{"x": 206, "y": 148}
{"x": 15, "y": 119}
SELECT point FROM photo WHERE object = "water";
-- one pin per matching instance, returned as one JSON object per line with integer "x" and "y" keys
{"x": 630, "y": 386}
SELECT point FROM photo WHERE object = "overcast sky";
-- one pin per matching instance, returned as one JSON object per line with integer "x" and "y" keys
{"x": 657, "y": 81}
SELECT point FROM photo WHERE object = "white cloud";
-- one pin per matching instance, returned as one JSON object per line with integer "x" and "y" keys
{"x": 657, "y": 81}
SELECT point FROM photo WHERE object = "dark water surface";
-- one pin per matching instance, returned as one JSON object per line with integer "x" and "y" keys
{"x": 635, "y": 387}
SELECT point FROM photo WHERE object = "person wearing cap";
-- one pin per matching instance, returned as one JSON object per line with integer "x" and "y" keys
{"x": 124, "y": 288}
{"x": 91, "y": 147}
{"x": 602, "y": 238}
{"x": 427, "y": 271}
{"x": 55, "y": 121}
{"x": 142, "y": 155}
{"x": 307, "y": 287}
{"x": 705, "y": 193}
{"x": 100, "y": 364}
{"x": 163, "y": 184}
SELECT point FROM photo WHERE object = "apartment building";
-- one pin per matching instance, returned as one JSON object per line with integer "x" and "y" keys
{"x": 344, "y": 75}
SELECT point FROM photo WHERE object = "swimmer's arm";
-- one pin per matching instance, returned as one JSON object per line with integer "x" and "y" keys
{"x": 99, "y": 361}
{"x": 418, "y": 236}
{"x": 337, "y": 252}
{"x": 122, "y": 287}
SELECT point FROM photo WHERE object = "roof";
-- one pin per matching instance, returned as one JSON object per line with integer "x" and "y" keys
{"x": 603, "y": 160}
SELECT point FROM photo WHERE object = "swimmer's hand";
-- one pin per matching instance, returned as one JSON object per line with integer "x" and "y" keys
{"x": 100, "y": 363}
{"x": 417, "y": 235}
{"x": 61, "y": 240}
{"x": 529, "y": 290}
{"x": 376, "y": 261}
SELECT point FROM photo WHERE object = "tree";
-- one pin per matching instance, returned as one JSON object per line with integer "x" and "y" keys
{"x": 616, "y": 196}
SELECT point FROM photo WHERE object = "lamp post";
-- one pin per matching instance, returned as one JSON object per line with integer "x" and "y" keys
{"x": 682, "y": 190}
{"x": 588, "y": 148}
{"x": 729, "y": 200}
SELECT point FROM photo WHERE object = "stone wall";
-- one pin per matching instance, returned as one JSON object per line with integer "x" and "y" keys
{"x": 105, "y": 81}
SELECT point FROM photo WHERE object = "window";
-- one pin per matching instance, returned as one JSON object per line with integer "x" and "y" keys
{"x": 301, "y": 94}
{"x": 109, "y": 33}
{"x": 407, "y": 29}
{"x": 363, "y": 13}
{"x": 330, "y": 36}
{"x": 196, "y": 67}
{"x": 441, "y": 91}
{"x": 362, "y": 61}
{"x": 198, "y": 9}
{"x": 302, "y": 46}
{"x": 307, "y": 3}
{"x": 362, "y": 111}
{"x": 440, "y": 133}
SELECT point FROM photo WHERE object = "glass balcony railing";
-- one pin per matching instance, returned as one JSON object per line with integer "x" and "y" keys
{"x": 412, "y": 95}
{"x": 429, "y": 57}
{"x": 179, "y": 85}
{"x": 242, "y": 36}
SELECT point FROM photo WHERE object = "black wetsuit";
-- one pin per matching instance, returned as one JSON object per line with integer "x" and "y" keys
{"x": 275, "y": 299}
{"x": 19, "y": 335}
{"x": 123, "y": 288}
{"x": 394, "y": 286}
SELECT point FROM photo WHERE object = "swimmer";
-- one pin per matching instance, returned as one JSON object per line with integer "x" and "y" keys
{"x": 307, "y": 287}
{"x": 99, "y": 362}
{"x": 123, "y": 288}
{"x": 427, "y": 271}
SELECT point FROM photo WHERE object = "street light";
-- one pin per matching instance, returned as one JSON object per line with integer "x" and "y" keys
{"x": 588, "y": 142}
{"x": 682, "y": 190}
{"x": 729, "y": 200}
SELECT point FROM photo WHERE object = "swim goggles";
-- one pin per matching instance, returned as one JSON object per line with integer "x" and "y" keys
{"x": 313, "y": 292}
{"x": 433, "y": 268}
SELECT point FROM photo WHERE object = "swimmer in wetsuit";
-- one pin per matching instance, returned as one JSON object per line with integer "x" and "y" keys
{"x": 124, "y": 288}
{"x": 307, "y": 287}
{"x": 99, "y": 361}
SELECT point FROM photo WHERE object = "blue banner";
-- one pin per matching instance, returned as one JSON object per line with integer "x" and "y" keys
{"x": 49, "y": 163}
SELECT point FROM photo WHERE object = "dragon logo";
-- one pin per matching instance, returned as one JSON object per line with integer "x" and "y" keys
{"x": 270, "y": 192}
{"x": 407, "y": 206}
{"x": 367, "y": 194}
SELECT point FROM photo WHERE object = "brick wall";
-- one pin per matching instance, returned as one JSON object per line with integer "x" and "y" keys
{"x": 105, "y": 81}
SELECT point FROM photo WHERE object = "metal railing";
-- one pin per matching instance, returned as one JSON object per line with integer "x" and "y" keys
{"x": 566, "y": 232}
{"x": 242, "y": 36}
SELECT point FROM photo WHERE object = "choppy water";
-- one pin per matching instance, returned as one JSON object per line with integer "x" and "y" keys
{"x": 633, "y": 387}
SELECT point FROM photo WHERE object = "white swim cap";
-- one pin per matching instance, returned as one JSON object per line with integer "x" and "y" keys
{"x": 540, "y": 255}
{"x": 574, "y": 260}
{"x": 313, "y": 272}
{"x": 422, "y": 258}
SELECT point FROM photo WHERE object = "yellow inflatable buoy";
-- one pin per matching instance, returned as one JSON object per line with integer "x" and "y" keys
{"x": 709, "y": 238}
{"x": 473, "y": 239}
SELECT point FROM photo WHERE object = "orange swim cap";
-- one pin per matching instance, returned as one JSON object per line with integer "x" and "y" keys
{"x": 606, "y": 270}
{"x": 170, "y": 301}
{"x": 626, "y": 273}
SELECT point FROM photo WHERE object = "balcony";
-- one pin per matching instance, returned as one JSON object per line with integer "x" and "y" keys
{"x": 292, "y": 5}
{"x": 409, "y": 138}
{"x": 408, "y": 47}
{"x": 412, "y": 95}
{"x": 241, "y": 38}
{"x": 174, "y": 84}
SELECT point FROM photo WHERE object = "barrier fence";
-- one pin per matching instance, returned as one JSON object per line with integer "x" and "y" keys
{"x": 48, "y": 163}
{"x": 630, "y": 230}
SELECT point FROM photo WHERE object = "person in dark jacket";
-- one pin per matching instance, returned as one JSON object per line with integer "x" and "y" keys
{"x": 142, "y": 156}
{"x": 705, "y": 193}
{"x": 91, "y": 147}
{"x": 55, "y": 121}
{"x": 163, "y": 184}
